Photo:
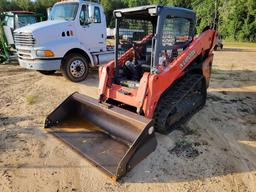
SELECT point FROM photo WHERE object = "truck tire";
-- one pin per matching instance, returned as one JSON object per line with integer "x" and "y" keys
{"x": 46, "y": 72}
{"x": 75, "y": 67}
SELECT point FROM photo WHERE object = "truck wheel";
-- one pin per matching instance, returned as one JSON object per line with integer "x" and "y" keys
{"x": 47, "y": 72}
{"x": 75, "y": 67}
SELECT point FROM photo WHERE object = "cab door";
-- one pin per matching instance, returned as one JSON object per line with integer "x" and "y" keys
{"x": 92, "y": 34}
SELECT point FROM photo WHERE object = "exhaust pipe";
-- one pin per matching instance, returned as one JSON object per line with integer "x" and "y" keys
{"x": 111, "y": 138}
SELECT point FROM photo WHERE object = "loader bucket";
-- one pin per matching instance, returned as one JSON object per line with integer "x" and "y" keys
{"x": 113, "y": 139}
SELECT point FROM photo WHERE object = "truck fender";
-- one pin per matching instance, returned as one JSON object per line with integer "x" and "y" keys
{"x": 83, "y": 52}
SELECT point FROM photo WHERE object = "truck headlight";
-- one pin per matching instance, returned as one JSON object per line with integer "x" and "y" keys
{"x": 44, "y": 53}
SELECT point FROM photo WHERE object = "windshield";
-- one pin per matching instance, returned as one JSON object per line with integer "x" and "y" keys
{"x": 26, "y": 20}
{"x": 65, "y": 11}
{"x": 134, "y": 35}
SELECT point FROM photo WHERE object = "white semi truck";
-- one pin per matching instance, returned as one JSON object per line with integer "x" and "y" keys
{"x": 72, "y": 40}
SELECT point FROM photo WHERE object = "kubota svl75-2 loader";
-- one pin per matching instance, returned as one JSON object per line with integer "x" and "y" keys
{"x": 157, "y": 81}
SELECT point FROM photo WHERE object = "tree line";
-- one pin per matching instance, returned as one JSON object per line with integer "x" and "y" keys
{"x": 236, "y": 18}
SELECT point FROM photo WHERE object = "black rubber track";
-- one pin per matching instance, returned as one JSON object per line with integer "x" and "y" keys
{"x": 180, "y": 102}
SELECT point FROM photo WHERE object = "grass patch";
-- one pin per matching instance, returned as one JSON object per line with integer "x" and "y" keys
{"x": 239, "y": 44}
{"x": 222, "y": 78}
{"x": 182, "y": 143}
{"x": 31, "y": 99}
{"x": 188, "y": 131}
{"x": 218, "y": 77}
{"x": 216, "y": 71}
{"x": 252, "y": 136}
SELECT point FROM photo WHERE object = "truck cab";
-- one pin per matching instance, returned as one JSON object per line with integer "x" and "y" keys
{"x": 72, "y": 40}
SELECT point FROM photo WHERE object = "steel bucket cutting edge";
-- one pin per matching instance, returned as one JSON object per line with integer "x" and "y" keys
{"x": 111, "y": 138}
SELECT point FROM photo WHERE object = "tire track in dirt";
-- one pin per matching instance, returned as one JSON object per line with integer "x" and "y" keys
{"x": 212, "y": 152}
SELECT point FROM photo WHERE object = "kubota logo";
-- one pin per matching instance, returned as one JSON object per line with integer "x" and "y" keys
{"x": 187, "y": 59}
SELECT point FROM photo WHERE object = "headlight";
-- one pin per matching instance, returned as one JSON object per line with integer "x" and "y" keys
{"x": 44, "y": 53}
{"x": 118, "y": 14}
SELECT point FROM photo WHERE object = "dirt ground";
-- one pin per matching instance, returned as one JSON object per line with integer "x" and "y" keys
{"x": 214, "y": 151}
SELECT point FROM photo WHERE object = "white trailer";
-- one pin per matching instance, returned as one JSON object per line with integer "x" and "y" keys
{"x": 72, "y": 40}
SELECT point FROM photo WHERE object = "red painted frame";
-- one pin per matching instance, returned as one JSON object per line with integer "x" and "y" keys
{"x": 153, "y": 85}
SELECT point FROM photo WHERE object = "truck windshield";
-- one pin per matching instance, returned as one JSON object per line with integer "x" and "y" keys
{"x": 26, "y": 20}
{"x": 65, "y": 11}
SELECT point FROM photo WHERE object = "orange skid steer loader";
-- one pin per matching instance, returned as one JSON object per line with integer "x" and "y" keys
{"x": 157, "y": 80}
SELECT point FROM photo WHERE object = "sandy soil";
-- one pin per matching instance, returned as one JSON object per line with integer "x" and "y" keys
{"x": 214, "y": 151}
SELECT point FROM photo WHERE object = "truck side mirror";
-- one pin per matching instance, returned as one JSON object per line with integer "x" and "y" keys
{"x": 87, "y": 21}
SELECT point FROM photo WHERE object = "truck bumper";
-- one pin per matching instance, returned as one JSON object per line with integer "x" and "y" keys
{"x": 39, "y": 64}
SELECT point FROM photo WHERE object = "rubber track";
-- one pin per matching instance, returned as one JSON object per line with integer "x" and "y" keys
{"x": 172, "y": 98}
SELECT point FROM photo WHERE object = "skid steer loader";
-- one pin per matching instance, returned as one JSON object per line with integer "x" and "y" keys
{"x": 157, "y": 81}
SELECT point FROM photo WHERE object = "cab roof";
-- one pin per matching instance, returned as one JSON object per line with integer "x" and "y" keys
{"x": 145, "y": 12}
{"x": 77, "y": 1}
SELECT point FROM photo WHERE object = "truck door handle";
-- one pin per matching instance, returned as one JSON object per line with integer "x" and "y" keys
{"x": 102, "y": 35}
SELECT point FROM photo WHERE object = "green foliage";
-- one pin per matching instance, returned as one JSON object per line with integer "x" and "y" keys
{"x": 237, "y": 18}
{"x": 24, "y": 4}
{"x": 109, "y": 6}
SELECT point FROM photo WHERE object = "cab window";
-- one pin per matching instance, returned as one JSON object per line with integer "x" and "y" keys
{"x": 175, "y": 37}
{"x": 97, "y": 15}
{"x": 175, "y": 30}
{"x": 84, "y": 16}
{"x": 10, "y": 21}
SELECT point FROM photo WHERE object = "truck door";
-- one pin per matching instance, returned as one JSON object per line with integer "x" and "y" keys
{"x": 92, "y": 35}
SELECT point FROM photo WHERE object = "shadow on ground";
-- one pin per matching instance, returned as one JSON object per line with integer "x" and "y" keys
{"x": 91, "y": 80}
{"x": 218, "y": 157}
{"x": 13, "y": 135}
{"x": 237, "y": 78}
{"x": 5, "y": 120}
{"x": 162, "y": 165}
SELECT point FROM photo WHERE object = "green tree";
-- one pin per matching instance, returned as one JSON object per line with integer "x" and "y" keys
{"x": 248, "y": 28}
{"x": 109, "y": 6}
{"x": 24, "y": 4}
{"x": 237, "y": 18}
{"x": 134, "y": 3}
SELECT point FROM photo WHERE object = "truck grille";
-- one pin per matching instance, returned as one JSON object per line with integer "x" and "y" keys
{"x": 24, "y": 39}
{"x": 24, "y": 54}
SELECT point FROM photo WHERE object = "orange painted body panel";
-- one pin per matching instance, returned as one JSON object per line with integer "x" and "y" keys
{"x": 152, "y": 86}
{"x": 129, "y": 96}
{"x": 116, "y": 92}
{"x": 207, "y": 68}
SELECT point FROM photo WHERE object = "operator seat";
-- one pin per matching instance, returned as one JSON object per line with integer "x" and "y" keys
{"x": 147, "y": 62}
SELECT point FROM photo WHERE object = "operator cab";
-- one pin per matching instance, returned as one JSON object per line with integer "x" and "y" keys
{"x": 149, "y": 38}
